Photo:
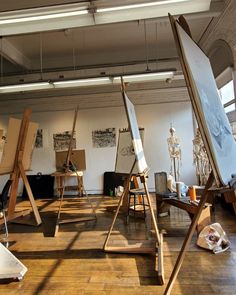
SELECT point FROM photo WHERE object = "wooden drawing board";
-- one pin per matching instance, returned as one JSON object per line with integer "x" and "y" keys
{"x": 210, "y": 114}
{"x": 125, "y": 156}
{"x": 10, "y": 146}
{"x": 134, "y": 130}
{"x": 29, "y": 145}
{"x": 77, "y": 157}
{"x": 9, "y": 149}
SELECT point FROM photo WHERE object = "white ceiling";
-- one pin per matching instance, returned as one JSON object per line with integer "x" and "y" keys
{"x": 81, "y": 51}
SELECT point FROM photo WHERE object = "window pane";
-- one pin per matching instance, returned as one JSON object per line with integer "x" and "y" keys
{"x": 227, "y": 94}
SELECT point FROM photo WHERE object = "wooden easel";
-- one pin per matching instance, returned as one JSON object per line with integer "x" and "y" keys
{"x": 158, "y": 250}
{"x": 61, "y": 178}
{"x": 125, "y": 175}
{"x": 214, "y": 175}
{"x": 19, "y": 172}
{"x": 143, "y": 248}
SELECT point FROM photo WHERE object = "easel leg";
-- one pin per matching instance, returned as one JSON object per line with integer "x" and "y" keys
{"x": 152, "y": 211}
{"x": 116, "y": 214}
{"x": 159, "y": 246}
{"x": 82, "y": 189}
{"x": 13, "y": 194}
{"x": 61, "y": 191}
{"x": 30, "y": 195}
{"x": 188, "y": 237}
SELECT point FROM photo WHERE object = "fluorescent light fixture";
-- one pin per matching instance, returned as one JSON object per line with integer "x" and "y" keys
{"x": 153, "y": 9}
{"x": 139, "y": 5}
{"x": 82, "y": 82}
{"x": 45, "y": 19}
{"x": 82, "y": 14}
{"x": 42, "y": 17}
{"x": 25, "y": 87}
{"x": 144, "y": 77}
{"x": 158, "y": 76}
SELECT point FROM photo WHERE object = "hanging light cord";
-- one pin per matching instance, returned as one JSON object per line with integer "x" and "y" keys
{"x": 146, "y": 46}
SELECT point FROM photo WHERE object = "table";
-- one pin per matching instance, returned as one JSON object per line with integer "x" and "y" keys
{"x": 61, "y": 178}
{"x": 190, "y": 207}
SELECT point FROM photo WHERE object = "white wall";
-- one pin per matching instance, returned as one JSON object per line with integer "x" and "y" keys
{"x": 155, "y": 119}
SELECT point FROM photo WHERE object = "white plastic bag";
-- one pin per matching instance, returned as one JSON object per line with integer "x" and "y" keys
{"x": 213, "y": 237}
{"x": 119, "y": 191}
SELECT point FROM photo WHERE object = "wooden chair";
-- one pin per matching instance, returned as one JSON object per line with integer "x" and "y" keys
{"x": 136, "y": 199}
{"x": 138, "y": 205}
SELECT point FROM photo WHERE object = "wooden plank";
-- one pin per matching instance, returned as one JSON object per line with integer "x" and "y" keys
{"x": 79, "y": 219}
{"x": 130, "y": 249}
{"x": 15, "y": 216}
{"x": 30, "y": 194}
{"x": 160, "y": 262}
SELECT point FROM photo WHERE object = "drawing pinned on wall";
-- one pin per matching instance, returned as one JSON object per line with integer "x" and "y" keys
{"x": 104, "y": 138}
{"x": 39, "y": 139}
{"x": 61, "y": 141}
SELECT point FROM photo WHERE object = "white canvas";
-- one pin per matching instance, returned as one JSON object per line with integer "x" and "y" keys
{"x": 136, "y": 139}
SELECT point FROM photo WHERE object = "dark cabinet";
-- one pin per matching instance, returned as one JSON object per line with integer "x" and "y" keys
{"x": 42, "y": 186}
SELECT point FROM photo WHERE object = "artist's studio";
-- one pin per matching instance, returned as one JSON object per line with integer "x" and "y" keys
{"x": 118, "y": 147}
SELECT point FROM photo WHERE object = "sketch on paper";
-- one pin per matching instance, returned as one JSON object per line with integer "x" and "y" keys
{"x": 125, "y": 155}
{"x": 61, "y": 141}
{"x": 104, "y": 138}
{"x": 39, "y": 139}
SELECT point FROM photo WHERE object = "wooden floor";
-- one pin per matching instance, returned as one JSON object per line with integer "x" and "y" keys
{"x": 74, "y": 263}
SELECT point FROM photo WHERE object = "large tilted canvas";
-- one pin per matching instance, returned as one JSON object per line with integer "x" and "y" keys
{"x": 210, "y": 113}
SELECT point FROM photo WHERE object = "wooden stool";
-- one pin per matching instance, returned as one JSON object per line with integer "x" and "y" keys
{"x": 137, "y": 206}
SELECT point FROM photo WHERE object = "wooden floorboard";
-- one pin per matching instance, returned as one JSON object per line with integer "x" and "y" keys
{"x": 74, "y": 263}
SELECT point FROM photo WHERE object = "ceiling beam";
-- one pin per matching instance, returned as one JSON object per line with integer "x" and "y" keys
{"x": 14, "y": 55}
